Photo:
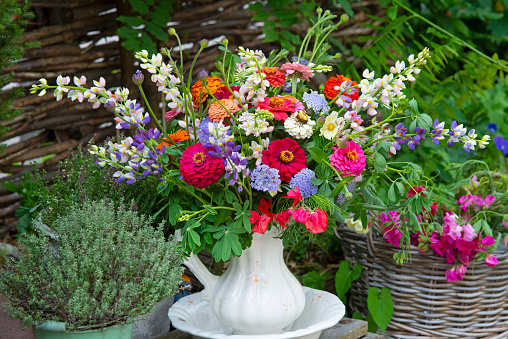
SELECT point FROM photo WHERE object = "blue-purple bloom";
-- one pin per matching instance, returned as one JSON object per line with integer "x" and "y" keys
{"x": 438, "y": 131}
{"x": 501, "y": 144}
{"x": 266, "y": 179}
{"x": 235, "y": 164}
{"x": 302, "y": 180}
{"x": 456, "y": 131}
{"x": 301, "y": 61}
{"x": 492, "y": 127}
{"x": 417, "y": 138}
{"x": 316, "y": 102}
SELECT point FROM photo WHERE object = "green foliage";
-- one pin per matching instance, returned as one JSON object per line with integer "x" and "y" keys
{"x": 106, "y": 267}
{"x": 13, "y": 19}
{"x": 313, "y": 279}
{"x": 380, "y": 306}
{"x": 282, "y": 14}
{"x": 148, "y": 26}
{"x": 78, "y": 179}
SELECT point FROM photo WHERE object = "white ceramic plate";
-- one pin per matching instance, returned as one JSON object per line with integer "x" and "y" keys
{"x": 193, "y": 315}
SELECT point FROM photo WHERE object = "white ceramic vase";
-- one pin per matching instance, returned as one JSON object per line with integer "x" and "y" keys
{"x": 257, "y": 294}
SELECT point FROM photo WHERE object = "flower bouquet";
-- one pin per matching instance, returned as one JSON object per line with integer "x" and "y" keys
{"x": 255, "y": 145}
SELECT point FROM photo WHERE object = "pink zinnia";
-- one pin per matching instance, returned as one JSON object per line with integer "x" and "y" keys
{"x": 198, "y": 168}
{"x": 297, "y": 70}
{"x": 349, "y": 160}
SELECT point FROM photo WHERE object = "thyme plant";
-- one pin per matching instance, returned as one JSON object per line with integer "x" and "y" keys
{"x": 108, "y": 265}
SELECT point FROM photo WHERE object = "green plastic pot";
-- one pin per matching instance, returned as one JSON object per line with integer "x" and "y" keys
{"x": 56, "y": 330}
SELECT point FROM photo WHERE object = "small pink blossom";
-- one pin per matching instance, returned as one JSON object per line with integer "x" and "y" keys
{"x": 456, "y": 273}
{"x": 488, "y": 241}
{"x": 451, "y": 227}
{"x": 491, "y": 260}
{"x": 300, "y": 215}
{"x": 297, "y": 70}
{"x": 505, "y": 223}
{"x": 469, "y": 233}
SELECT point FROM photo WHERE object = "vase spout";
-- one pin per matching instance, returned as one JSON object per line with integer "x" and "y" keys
{"x": 197, "y": 268}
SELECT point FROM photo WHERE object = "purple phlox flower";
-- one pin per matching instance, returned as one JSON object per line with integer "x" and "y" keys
{"x": 265, "y": 178}
{"x": 501, "y": 144}
{"x": 302, "y": 180}
{"x": 287, "y": 87}
{"x": 491, "y": 126}
{"x": 301, "y": 61}
{"x": 438, "y": 131}
{"x": 316, "y": 102}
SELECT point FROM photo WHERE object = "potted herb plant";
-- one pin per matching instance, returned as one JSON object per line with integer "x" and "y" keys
{"x": 105, "y": 266}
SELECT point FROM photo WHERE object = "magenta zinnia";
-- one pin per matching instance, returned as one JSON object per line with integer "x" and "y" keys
{"x": 198, "y": 168}
{"x": 286, "y": 156}
{"x": 349, "y": 160}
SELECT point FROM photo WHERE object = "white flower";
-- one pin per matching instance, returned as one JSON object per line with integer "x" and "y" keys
{"x": 299, "y": 125}
{"x": 485, "y": 141}
{"x": 258, "y": 150}
{"x": 356, "y": 224}
{"x": 253, "y": 124}
{"x": 331, "y": 126}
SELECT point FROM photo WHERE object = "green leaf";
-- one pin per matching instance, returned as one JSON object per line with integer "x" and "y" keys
{"x": 261, "y": 15}
{"x": 413, "y": 105}
{"x": 347, "y": 7}
{"x": 317, "y": 154}
{"x": 316, "y": 181}
{"x": 293, "y": 38}
{"x": 392, "y": 12}
{"x": 156, "y": 31}
{"x": 344, "y": 278}
{"x": 369, "y": 194}
{"x": 139, "y": 6}
{"x": 256, "y": 6}
{"x": 210, "y": 209}
{"x": 160, "y": 16}
{"x": 127, "y": 33}
{"x": 372, "y": 327}
{"x": 391, "y": 193}
{"x": 379, "y": 163}
{"x": 165, "y": 158}
{"x": 380, "y": 306}
{"x": 131, "y": 20}
{"x": 271, "y": 34}
{"x": 400, "y": 186}
{"x": 148, "y": 44}
{"x": 313, "y": 279}
{"x": 194, "y": 236}
{"x": 230, "y": 196}
{"x": 357, "y": 315}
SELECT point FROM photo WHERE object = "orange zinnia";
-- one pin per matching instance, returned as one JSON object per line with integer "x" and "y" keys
{"x": 336, "y": 81}
{"x": 178, "y": 136}
{"x": 212, "y": 83}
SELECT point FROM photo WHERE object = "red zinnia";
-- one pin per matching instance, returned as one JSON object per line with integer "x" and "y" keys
{"x": 286, "y": 156}
{"x": 279, "y": 106}
{"x": 275, "y": 77}
{"x": 198, "y": 168}
{"x": 335, "y": 82}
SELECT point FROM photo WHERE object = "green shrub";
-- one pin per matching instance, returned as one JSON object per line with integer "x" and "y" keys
{"x": 108, "y": 266}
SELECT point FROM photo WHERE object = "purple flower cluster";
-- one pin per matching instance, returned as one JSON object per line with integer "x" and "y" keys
{"x": 501, "y": 144}
{"x": 316, "y": 102}
{"x": 236, "y": 164}
{"x": 302, "y": 180}
{"x": 266, "y": 179}
{"x": 301, "y": 61}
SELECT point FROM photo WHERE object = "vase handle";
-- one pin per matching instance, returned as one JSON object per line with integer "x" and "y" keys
{"x": 204, "y": 276}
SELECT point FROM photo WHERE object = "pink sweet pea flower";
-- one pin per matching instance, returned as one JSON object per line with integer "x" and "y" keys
{"x": 488, "y": 241}
{"x": 456, "y": 273}
{"x": 282, "y": 218}
{"x": 260, "y": 222}
{"x": 505, "y": 223}
{"x": 469, "y": 233}
{"x": 491, "y": 260}
{"x": 300, "y": 215}
{"x": 416, "y": 189}
{"x": 392, "y": 235}
{"x": 317, "y": 222}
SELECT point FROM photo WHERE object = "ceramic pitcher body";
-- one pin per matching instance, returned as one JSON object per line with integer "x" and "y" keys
{"x": 257, "y": 294}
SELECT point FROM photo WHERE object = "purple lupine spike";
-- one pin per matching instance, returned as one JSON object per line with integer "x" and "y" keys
{"x": 156, "y": 135}
{"x": 146, "y": 173}
{"x": 131, "y": 181}
{"x": 120, "y": 179}
{"x": 146, "y": 119}
{"x": 150, "y": 134}
{"x": 125, "y": 125}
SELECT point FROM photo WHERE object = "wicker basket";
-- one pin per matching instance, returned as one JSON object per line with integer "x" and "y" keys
{"x": 426, "y": 305}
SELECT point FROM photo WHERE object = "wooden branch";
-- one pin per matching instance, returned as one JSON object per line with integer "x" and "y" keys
{"x": 7, "y": 199}
{"x": 36, "y": 112}
{"x": 43, "y": 151}
{"x": 22, "y": 147}
{"x": 9, "y": 210}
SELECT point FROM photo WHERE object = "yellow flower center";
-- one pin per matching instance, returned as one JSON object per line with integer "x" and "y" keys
{"x": 275, "y": 101}
{"x": 331, "y": 127}
{"x": 352, "y": 155}
{"x": 286, "y": 157}
{"x": 302, "y": 117}
{"x": 199, "y": 157}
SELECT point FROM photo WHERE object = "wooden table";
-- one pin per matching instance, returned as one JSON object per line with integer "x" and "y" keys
{"x": 345, "y": 329}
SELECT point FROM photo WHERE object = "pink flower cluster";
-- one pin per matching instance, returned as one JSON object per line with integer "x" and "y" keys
{"x": 314, "y": 221}
{"x": 458, "y": 241}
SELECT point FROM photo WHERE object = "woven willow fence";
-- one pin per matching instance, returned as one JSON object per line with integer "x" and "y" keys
{"x": 426, "y": 305}
{"x": 78, "y": 37}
